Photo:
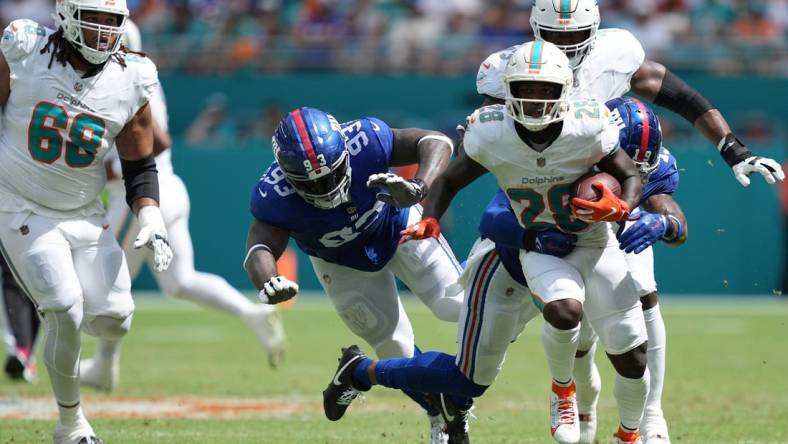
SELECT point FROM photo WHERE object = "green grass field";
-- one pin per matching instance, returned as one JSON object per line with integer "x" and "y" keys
{"x": 727, "y": 382}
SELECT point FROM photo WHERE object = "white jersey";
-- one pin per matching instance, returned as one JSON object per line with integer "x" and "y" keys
{"x": 604, "y": 75}
{"x": 538, "y": 184}
{"x": 58, "y": 126}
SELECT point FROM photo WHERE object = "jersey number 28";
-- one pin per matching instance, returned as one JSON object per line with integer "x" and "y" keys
{"x": 558, "y": 201}
{"x": 45, "y": 140}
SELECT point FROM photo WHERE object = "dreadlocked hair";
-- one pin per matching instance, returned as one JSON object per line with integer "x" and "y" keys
{"x": 61, "y": 48}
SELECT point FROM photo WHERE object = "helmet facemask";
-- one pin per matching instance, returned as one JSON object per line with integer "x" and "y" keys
{"x": 542, "y": 103}
{"x": 571, "y": 25}
{"x": 575, "y": 52}
{"x": 326, "y": 187}
{"x": 96, "y": 42}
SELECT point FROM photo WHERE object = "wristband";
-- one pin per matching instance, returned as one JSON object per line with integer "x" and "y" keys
{"x": 732, "y": 150}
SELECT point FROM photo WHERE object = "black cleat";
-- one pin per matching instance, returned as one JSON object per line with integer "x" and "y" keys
{"x": 456, "y": 419}
{"x": 14, "y": 367}
{"x": 340, "y": 391}
{"x": 90, "y": 440}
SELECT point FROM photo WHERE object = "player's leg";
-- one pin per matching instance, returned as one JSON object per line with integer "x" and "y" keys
{"x": 428, "y": 267}
{"x": 104, "y": 276}
{"x": 40, "y": 257}
{"x": 558, "y": 289}
{"x": 641, "y": 267}
{"x": 23, "y": 323}
{"x": 588, "y": 382}
{"x": 369, "y": 305}
{"x": 613, "y": 309}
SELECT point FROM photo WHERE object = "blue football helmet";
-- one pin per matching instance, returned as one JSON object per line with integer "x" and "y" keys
{"x": 309, "y": 146}
{"x": 640, "y": 134}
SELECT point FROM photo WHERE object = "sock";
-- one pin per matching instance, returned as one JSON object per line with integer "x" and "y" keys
{"x": 560, "y": 347}
{"x": 587, "y": 381}
{"x": 107, "y": 351}
{"x": 70, "y": 414}
{"x": 360, "y": 376}
{"x": 630, "y": 396}
{"x": 657, "y": 341}
{"x": 214, "y": 292}
{"x": 61, "y": 357}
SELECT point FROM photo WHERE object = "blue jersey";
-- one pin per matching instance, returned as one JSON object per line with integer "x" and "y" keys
{"x": 363, "y": 233}
{"x": 500, "y": 224}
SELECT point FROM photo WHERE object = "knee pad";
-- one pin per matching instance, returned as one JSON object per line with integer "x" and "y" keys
{"x": 377, "y": 328}
{"x": 52, "y": 290}
{"x": 621, "y": 332}
{"x": 106, "y": 327}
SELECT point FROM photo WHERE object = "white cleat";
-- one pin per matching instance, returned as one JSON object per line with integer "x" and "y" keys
{"x": 80, "y": 432}
{"x": 438, "y": 434}
{"x": 99, "y": 374}
{"x": 266, "y": 323}
{"x": 655, "y": 430}
{"x": 564, "y": 419}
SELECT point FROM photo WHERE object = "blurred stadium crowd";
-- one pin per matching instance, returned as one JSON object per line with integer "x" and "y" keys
{"x": 432, "y": 36}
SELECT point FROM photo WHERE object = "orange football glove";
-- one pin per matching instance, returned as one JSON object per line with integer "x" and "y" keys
{"x": 609, "y": 208}
{"x": 423, "y": 229}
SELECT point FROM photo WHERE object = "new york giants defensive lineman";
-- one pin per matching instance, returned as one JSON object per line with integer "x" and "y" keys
{"x": 180, "y": 280}
{"x": 498, "y": 303}
{"x": 607, "y": 63}
{"x": 69, "y": 96}
{"x": 330, "y": 190}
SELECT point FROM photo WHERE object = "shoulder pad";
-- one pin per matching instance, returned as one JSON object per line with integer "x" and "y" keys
{"x": 619, "y": 50}
{"x": 485, "y": 125}
{"x": 21, "y": 38}
{"x": 489, "y": 79}
{"x": 591, "y": 120}
{"x": 146, "y": 76}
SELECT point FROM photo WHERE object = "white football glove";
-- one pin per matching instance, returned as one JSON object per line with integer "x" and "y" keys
{"x": 401, "y": 192}
{"x": 769, "y": 169}
{"x": 153, "y": 234}
{"x": 278, "y": 289}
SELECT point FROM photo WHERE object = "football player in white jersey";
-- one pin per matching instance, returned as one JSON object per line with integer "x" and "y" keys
{"x": 69, "y": 96}
{"x": 537, "y": 146}
{"x": 181, "y": 280}
{"x": 607, "y": 63}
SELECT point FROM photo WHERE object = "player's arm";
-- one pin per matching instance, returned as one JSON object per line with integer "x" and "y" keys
{"x": 660, "y": 86}
{"x": 5, "y": 81}
{"x": 430, "y": 150}
{"x": 461, "y": 172}
{"x": 162, "y": 140}
{"x": 621, "y": 166}
{"x": 662, "y": 219}
{"x": 265, "y": 244}
{"x": 135, "y": 149}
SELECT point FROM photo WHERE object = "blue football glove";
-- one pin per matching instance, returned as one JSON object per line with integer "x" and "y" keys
{"x": 645, "y": 232}
{"x": 553, "y": 242}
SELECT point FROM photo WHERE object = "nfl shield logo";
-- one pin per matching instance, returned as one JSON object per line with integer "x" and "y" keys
{"x": 540, "y": 162}
{"x": 78, "y": 87}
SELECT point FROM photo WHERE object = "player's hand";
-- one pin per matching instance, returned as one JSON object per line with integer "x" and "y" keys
{"x": 553, "y": 242}
{"x": 398, "y": 191}
{"x": 647, "y": 230}
{"x": 422, "y": 229}
{"x": 153, "y": 234}
{"x": 768, "y": 168}
{"x": 609, "y": 208}
{"x": 278, "y": 289}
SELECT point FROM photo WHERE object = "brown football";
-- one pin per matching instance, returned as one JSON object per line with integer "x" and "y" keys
{"x": 582, "y": 187}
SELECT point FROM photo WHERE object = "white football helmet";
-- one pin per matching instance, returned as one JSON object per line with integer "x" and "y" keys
{"x": 132, "y": 39}
{"x": 537, "y": 61}
{"x": 68, "y": 16}
{"x": 567, "y": 16}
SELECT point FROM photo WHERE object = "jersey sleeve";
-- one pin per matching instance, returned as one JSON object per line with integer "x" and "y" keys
{"x": 146, "y": 82}
{"x": 609, "y": 133}
{"x": 499, "y": 224}
{"x": 20, "y": 39}
{"x": 489, "y": 79}
{"x": 158, "y": 109}
{"x": 665, "y": 180}
{"x": 384, "y": 135}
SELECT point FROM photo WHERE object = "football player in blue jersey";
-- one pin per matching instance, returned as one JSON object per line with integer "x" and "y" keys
{"x": 501, "y": 285}
{"x": 330, "y": 190}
